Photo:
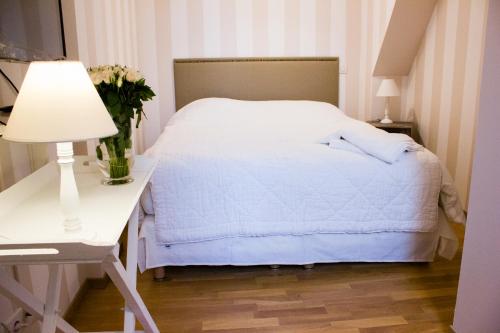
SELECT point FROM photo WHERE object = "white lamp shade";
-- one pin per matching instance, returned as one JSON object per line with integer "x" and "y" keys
{"x": 388, "y": 88}
{"x": 58, "y": 103}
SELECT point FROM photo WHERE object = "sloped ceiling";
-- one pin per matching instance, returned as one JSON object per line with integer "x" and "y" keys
{"x": 403, "y": 35}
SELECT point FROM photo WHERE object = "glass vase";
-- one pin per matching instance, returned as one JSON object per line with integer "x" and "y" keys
{"x": 116, "y": 170}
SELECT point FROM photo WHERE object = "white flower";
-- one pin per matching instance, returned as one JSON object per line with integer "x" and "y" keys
{"x": 95, "y": 75}
{"x": 113, "y": 75}
{"x": 107, "y": 75}
{"x": 118, "y": 70}
{"x": 96, "y": 78}
{"x": 133, "y": 75}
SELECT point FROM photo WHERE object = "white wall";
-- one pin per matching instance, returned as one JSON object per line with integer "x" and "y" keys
{"x": 478, "y": 301}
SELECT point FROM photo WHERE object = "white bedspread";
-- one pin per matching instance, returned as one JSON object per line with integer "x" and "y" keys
{"x": 234, "y": 168}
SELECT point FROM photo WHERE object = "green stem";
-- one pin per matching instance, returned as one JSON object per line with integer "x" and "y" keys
{"x": 118, "y": 163}
{"x": 110, "y": 147}
{"x": 118, "y": 167}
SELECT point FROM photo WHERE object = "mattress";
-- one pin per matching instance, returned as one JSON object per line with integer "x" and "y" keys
{"x": 298, "y": 250}
{"x": 239, "y": 169}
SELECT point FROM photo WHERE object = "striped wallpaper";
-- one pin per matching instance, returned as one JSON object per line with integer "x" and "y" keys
{"x": 442, "y": 90}
{"x": 351, "y": 30}
{"x": 148, "y": 34}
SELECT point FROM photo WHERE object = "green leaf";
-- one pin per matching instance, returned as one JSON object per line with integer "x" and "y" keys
{"x": 98, "y": 151}
{"x": 114, "y": 110}
{"x": 128, "y": 143}
{"x": 112, "y": 98}
{"x": 123, "y": 118}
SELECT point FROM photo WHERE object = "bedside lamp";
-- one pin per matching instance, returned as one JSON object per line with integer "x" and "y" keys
{"x": 58, "y": 103}
{"x": 388, "y": 88}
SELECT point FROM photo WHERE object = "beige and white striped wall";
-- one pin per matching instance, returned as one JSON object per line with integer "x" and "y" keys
{"x": 148, "y": 34}
{"x": 442, "y": 90}
{"x": 351, "y": 30}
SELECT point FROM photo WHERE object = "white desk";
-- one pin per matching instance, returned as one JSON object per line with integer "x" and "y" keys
{"x": 31, "y": 232}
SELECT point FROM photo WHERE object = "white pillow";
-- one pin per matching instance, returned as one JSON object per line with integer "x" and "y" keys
{"x": 305, "y": 121}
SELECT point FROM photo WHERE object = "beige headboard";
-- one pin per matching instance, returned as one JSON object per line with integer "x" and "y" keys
{"x": 314, "y": 79}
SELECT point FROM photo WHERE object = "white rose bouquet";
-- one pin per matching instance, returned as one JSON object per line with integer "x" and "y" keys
{"x": 123, "y": 90}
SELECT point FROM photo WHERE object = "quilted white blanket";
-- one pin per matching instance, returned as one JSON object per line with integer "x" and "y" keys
{"x": 237, "y": 168}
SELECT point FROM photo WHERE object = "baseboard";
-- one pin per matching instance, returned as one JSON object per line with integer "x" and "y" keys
{"x": 75, "y": 303}
{"x": 98, "y": 283}
{"x": 90, "y": 283}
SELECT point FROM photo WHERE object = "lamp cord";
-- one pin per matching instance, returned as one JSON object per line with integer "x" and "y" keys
{"x": 2, "y": 124}
{"x": 9, "y": 80}
{"x": 12, "y": 85}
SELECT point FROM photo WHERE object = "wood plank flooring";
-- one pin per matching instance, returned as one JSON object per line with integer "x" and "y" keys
{"x": 344, "y": 298}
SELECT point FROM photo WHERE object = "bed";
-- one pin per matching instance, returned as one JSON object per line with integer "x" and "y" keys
{"x": 245, "y": 176}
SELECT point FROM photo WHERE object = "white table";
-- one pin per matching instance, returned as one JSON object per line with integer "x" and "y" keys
{"x": 31, "y": 232}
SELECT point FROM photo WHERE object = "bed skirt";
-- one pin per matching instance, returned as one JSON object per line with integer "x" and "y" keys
{"x": 299, "y": 250}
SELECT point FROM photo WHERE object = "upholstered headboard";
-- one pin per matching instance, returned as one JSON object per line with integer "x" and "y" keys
{"x": 314, "y": 79}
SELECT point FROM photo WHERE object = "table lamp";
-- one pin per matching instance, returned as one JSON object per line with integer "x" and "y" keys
{"x": 388, "y": 88}
{"x": 58, "y": 103}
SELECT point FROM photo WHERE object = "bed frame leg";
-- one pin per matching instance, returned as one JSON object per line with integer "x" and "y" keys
{"x": 274, "y": 267}
{"x": 309, "y": 266}
{"x": 159, "y": 274}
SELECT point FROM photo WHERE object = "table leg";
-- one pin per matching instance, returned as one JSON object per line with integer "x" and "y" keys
{"x": 118, "y": 275}
{"x": 12, "y": 289}
{"x": 132, "y": 246}
{"x": 52, "y": 299}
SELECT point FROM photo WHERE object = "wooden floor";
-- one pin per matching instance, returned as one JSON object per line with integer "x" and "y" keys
{"x": 344, "y": 298}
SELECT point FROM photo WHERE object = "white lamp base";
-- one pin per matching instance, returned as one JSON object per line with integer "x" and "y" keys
{"x": 386, "y": 119}
{"x": 68, "y": 192}
{"x": 68, "y": 195}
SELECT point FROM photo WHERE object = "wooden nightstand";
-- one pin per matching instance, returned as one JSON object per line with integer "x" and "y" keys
{"x": 405, "y": 127}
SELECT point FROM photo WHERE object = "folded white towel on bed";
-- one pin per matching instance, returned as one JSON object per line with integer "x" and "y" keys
{"x": 387, "y": 147}
{"x": 341, "y": 144}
